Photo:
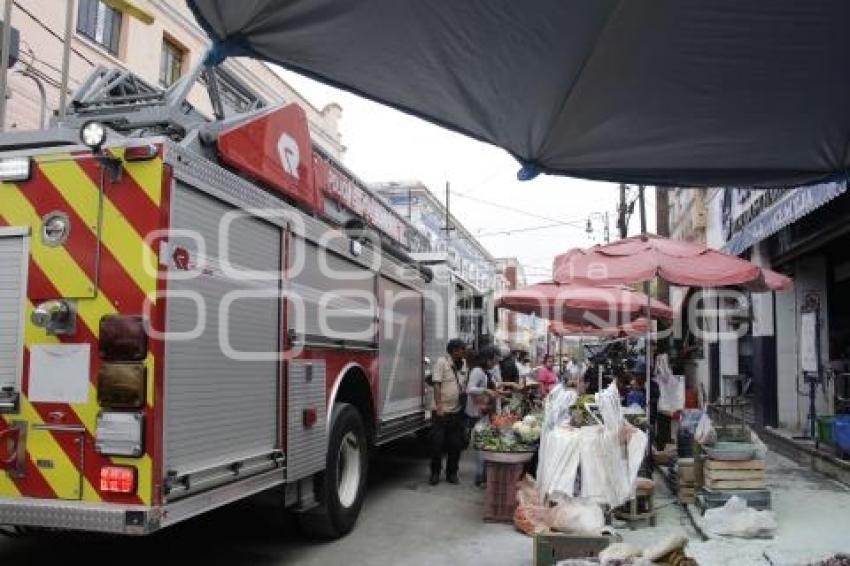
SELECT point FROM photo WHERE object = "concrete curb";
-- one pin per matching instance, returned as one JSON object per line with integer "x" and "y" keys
{"x": 805, "y": 455}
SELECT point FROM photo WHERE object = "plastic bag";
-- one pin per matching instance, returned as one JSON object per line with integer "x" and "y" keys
{"x": 526, "y": 491}
{"x": 576, "y": 516}
{"x": 558, "y": 461}
{"x": 738, "y": 520}
{"x": 761, "y": 449}
{"x": 705, "y": 433}
{"x": 531, "y": 519}
{"x": 594, "y": 476}
{"x": 671, "y": 396}
{"x": 556, "y": 407}
{"x": 620, "y": 551}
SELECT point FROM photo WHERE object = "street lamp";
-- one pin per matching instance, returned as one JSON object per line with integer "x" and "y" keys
{"x": 605, "y": 230}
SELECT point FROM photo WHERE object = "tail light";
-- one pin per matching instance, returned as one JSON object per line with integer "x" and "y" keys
{"x": 122, "y": 386}
{"x": 118, "y": 479}
{"x": 123, "y": 338}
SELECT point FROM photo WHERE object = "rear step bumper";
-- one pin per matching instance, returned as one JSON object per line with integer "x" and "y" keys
{"x": 77, "y": 515}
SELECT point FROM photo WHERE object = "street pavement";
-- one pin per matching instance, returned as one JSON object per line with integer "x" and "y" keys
{"x": 407, "y": 522}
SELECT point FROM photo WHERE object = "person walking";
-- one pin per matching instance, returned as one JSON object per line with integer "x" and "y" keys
{"x": 482, "y": 391}
{"x": 448, "y": 427}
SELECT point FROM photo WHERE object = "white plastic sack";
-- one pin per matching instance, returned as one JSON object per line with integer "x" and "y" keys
{"x": 594, "y": 481}
{"x": 738, "y": 520}
{"x": 558, "y": 460}
{"x": 608, "y": 401}
{"x": 671, "y": 397}
{"x": 557, "y": 407}
{"x": 576, "y": 516}
{"x": 662, "y": 366}
{"x": 705, "y": 433}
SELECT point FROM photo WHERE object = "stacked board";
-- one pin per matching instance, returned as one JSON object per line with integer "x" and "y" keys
{"x": 686, "y": 473}
{"x": 732, "y": 475}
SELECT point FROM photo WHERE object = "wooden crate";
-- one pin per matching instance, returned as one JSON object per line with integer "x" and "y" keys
{"x": 747, "y": 474}
{"x": 687, "y": 494}
{"x": 549, "y": 549}
{"x": 500, "y": 493}
{"x": 686, "y": 471}
{"x": 734, "y": 465}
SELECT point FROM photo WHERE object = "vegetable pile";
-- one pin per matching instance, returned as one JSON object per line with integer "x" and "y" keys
{"x": 506, "y": 433}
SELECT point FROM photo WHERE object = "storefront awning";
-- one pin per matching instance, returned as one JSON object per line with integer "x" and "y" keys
{"x": 789, "y": 206}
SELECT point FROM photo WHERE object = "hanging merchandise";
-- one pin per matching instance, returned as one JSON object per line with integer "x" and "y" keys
{"x": 671, "y": 397}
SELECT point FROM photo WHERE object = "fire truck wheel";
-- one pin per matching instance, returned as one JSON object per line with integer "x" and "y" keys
{"x": 341, "y": 488}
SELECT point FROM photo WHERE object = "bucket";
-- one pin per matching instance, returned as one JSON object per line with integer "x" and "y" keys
{"x": 825, "y": 429}
{"x": 841, "y": 432}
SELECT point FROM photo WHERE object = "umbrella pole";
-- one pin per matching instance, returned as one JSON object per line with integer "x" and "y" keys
{"x": 648, "y": 352}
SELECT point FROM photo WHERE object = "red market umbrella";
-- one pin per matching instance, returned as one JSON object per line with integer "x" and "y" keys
{"x": 637, "y": 326}
{"x": 641, "y": 258}
{"x": 602, "y": 306}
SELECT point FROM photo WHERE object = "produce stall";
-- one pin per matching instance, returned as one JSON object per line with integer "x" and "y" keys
{"x": 508, "y": 439}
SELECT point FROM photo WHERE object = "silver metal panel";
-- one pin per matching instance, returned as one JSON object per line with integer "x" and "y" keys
{"x": 228, "y": 187}
{"x": 400, "y": 364}
{"x": 209, "y": 500}
{"x": 221, "y": 381}
{"x": 330, "y": 296}
{"x": 75, "y": 515}
{"x": 306, "y": 447}
{"x": 13, "y": 273}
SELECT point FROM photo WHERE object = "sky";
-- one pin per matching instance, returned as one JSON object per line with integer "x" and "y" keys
{"x": 531, "y": 220}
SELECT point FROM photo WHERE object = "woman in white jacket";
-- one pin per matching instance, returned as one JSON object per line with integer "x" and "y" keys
{"x": 481, "y": 389}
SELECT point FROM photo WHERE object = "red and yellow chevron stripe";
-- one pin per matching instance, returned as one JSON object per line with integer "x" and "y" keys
{"x": 107, "y": 265}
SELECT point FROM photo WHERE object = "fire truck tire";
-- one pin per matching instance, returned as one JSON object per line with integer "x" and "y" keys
{"x": 341, "y": 487}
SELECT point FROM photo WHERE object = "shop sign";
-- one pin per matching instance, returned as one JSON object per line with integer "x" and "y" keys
{"x": 751, "y": 215}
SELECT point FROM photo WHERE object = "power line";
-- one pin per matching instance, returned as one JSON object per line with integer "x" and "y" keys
{"x": 527, "y": 229}
{"x": 513, "y": 209}
{"x": 51, "y": 32}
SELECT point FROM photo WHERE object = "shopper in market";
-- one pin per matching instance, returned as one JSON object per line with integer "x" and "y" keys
{"x": 546, "y": 376}
{"x": 448, "y": 426}
{"x": 482, "y": 396}
{"x": 508, "y": 366}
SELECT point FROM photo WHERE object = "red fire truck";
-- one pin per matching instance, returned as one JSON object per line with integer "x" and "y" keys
{"x": 193, "y": 311}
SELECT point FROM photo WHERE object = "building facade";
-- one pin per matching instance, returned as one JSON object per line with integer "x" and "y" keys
{"x": 446, "y": 234}
{"x": 158, "y": 40}
{"x": 515, "y": 330}
{"x": 784, "y": 340}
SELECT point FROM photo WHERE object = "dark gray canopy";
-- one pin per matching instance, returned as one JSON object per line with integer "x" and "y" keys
{"x": 670, "y": 92}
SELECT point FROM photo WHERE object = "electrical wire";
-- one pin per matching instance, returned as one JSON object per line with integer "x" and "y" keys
{"x": 528, "y": 229}
{"x": 503, "y": 206}
{"x": 51, "y": 32}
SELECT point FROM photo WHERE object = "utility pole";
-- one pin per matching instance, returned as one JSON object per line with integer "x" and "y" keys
{"x": 607, "y": 232}
{"x": 621, "y": 213}
{"x": 448, "y": 227}
{"x": 642, "y": 202}
{"x": 4, "y": 64}
{"x": 66, "y": 58}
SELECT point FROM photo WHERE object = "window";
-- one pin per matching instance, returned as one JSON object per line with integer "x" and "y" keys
{"x": 100, "y": 23}
{"x": 171, "y": 63}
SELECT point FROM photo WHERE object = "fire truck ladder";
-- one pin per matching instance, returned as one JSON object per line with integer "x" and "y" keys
{"x": 130, "y": 105}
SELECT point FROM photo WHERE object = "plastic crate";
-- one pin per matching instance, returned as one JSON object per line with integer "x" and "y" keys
{"x": 825, "y": 429}
{"x": 500, "y": 494}
{"x": 550, "y": 549}
{"x": 841, "y": 432}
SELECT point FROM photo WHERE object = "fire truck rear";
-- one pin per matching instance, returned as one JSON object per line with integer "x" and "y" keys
{"x": 194, "y": 311}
